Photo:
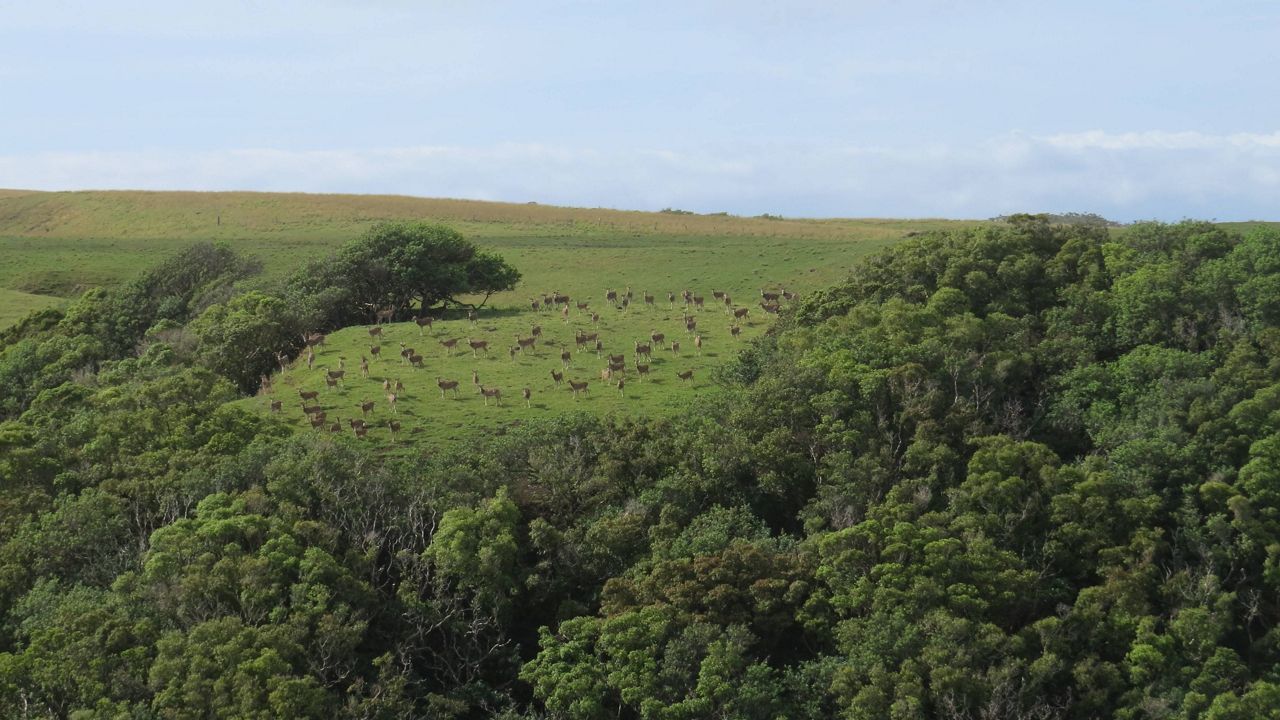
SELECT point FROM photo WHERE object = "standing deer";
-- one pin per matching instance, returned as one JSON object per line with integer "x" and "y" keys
{"x": 331, "y": 382}
{"x": 717, "y": 294}
{"x": 282, "y": 359}
{"x": 582, "y": 306}
{"x": 526, "y": 393}
{"x": 471, "y": 316}
{"x": 675, "y": 347}
{"x": 311, "y": 409}
{"x": 447, "y": 385}
{"x": 564, "y": 314}
{"x": 535, "y": 304}
{"x": 313, "y": 339}
{"x": 336, "y": 374}
{"x": 657, "y": 338}
{"x": 769, "y": 296}
{"x": 530, "y": 342}
{"x": 611, "y": 296}
{"x": 617, "y": 358}
{"x": 366, "y": 406}
{"x": 317, "y": 423}
{"x": 685, "y": 376}
{"x": 478, "y": 345}
{"x": 394, "y": 427}
{"x": 364, "y": 366}
{"x": 399, "y": 387}
{"x": 449, "y": 345}
{"x": 690, "y": 324}
{"x": 475, "y": 378}
{"x": 495, "y": 393}
{"x": 536, "y": 331}
{"x": 309, "y": 394}
{"x": 361, "y": 431}
{"x": 671, "y": 299}
{"x": 697, "y": 301}
{"x": 276, "y": 405}
{"x": 739, "y": 313}
{"x": 375, "y": 351}
{"x": 643, "y": 350}
{"x": 621, "y": 383}
{"x": 416, "y": 360}
{"x": 512, "y": 351}
{"x": 734, "y": 330}
{"x": 578, "y": 387}
{"x": 375, "y": 331}
{"x": 599, "y": 347}
{"x": 595, "y": 318}
{"x": 384, "y": 315}
{"x": 391, "y": 398}
{"x": 336, "y": 427}
{"x": 424, "y": 322}
{"x": 697, "y": 343}
{"x": 642, "y": 371}
{"x": 558, "y": 377}
{"x": 311, "y": 358}
{"x": 648, "y": 299}
{"x": 565, "y": 357}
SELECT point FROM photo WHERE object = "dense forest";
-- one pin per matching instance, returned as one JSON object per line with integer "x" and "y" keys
{"x": 1024, "y": 470}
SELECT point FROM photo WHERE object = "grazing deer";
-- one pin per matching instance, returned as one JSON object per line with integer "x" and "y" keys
{"x": 648, "y": 299}
{"x": 675, "y": 347}
{"x": 317, "y": 423}
{"x": 734, "y": 330}
{"x": 391, "y": 398}
{"x": 697, "y": 343}
{"x": 526, "y": 393}
{"x": 685, "y": 376}
{"x": 611, "y": 296}
{"x": 361, "y": 431}
{"x": 717, "y": 294}
{"x": 617, "y": 358}
{"x": 364, "y": 366}
{"x": 449, "y": 345}
{"x": 471, "y": 316}
{"x": 770, "y": 307}
{"x": 276, "y": 405}
{"x": 331, "y": 382}
{"x": 578, "y": 387}
{"x": 530, "y": 342}
{"x": 740, "y": 313}
{"x": 558, "y": 377}
{"x": 657, "y": 337}
{"x": 311, "y": 409}
{"x": 336, "y": 427}
{"x": 394, "y": 427}
{"x": 366, "y": 406}
{"x": 309, "y": 394}
{"x": 375, "y": 351}
{"x": 769, "y": 296}
{"x": 643, "y": 350}
{"x": 311, "y": 359}
{"x": 336, "y": 374}
{"x": 375, "y": 331}
{"x": 642, "y": 371}
{"x": 384, "y": 315}
{"x": 416, "y": 360}
{"x": 495, "y": 393}
{"x": 535, "y": 305}
{"x": 355, "y": 423}
{"x": 582, "y": 306}
{"x": 447, "y": 385}
{"x": 565, "y": 357}
{"x": 478, "y": 345}
{"x": 536, "y": 331}
{"x": 424, "y": 322}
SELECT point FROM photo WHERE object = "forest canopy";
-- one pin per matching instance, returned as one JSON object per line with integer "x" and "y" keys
{"x": 1022, "y": 470}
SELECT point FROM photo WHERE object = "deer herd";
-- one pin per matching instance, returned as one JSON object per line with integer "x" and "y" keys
{"x": 613, "y": 372}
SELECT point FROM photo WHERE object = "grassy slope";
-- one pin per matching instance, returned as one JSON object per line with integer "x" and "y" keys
{"x": 60, "y": 243}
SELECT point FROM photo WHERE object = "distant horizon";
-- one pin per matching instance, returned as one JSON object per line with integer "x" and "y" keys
{"x": 1152, "y": 109}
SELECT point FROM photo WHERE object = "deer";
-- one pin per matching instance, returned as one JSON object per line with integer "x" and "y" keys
{"x": 264, "y": 383}
{"x": 535, "y": 304}
{"x": 282, "y": 359}
{"x": 386, "y": 385}
{"x": 582, "y": 306}
{"x": 471, "y": 316}
{"x": 599, "y": 347}
{"x": 391, "y": 398}
{"x": 536, "y": 331}
{"x": 495, "y": 393}
{"x": 734, "y": 330}
{"x": 375, "y": 331}
{"x": 384, "y": 315}
{"x": 643, "y": 349}
{"x": 416, "y": 360}
{"x": 331, "y": 382}
{"x": 595, "y": 318}
{"x": 740, "y": 313}
{"x": 336, "y": 374}
{"x": 578, "y": 387}
{"x": 424, "y": 322}
{"x": 366, "y": 406}
{"x": 313, "y": 339}
{"x": 717, "y": 294}
{"x": 361, "y": 431}
{"x": 565, "y": 357}
{"x": 617, "y": 367}
{"x": 399, "y": 386}
{"x": 617, "y": 358}
{"x": 621, "y": 383}
{"x": 394, "y": 427}
{"x": 611, "y": 296}
{"x": 526, "y": 394}
{"x": 311, "y": 409}
{"x": 671, "y": 299}
{"x": 769, "y": 296}
{"x": 447, "y": 385}
{"x": 405, "y": 352}
{"x": 530, "y": 342}
{"x": 642, "y": 371}
{"x": 685, "y": 376}
{"x": 697, "y": 301}
{"x": 648, "y": 299}
{"x": 626, "y": 303}
{"x": 558, "y": 377}
{"x": 605, "y": 374}
{"x": 478, "y": 345}
{"x": 317, "y": 423}
{"x": 309, "y": 394}
{"x": 276, "y": 405}
{"x": 788, "y": 295}
{"x": 375, "y": 351}
{"x": 688, "y": 296}
{"x": 697, "y": 343}
{"x": 675, "y": 347}
{"x": 690, "y": 324}
{"x": 311, "y": 358}
{"x": 728, "y": 303}
{"x": 336, "y": 426}
{"x": 513, "y": 351}
{"x": 355, "y": 423}
{"x": 364, "y": 366}
{"x": 770, "y": 307}
{"x": 564, "y": 314}
{"x": 657, "y": 337}
{"x": 628, "y": 295}
{"x": 449, "y": 345}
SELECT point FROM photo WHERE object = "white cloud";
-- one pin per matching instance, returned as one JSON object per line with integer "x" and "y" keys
{"x": 1126, "y": 176}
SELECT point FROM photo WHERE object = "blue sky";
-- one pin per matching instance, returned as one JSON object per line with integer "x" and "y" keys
{"x": 1134, "y": 110}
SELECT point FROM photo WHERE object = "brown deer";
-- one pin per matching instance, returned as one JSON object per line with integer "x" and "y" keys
{"x": 621, "y": 383}
{"x": 626, "y": 303}
{"x": 513, "y": 351}
{"x": 739, "y": 313}
{"x": 311, "y": 409}
{"x": 447, "y": 385}
{"x": 405, "y": 352}
{"x": 317, "y": 423}
{"x": 331, "y": 382}
{"x": 364, "y": 366}
{"x": 728, "y": 303}
{"x": 495, "y": 393}
{"x": 336, "y": 427}
{"x": 309, "y": 394}
{"x": 599, "y": 347}
{"x": 685, "y": 376}
{"x": 536, "y": 331}
{"x": 399, "y": 387}
{"x": 391, "y": 398}
{"x": 375, "y": 331}
{"x": 535, "y": 304}
{"x": 690, "y": 324}
{"x": 366, "y": 406}
{"x": 578, "y": 387}
{"x": 734, "y": 330}
{"x": 648, "y": 299}
{"x": 526, "y": 394}
{"x": 394, "y": 427}
{"x": 788, "y": 295}
{"x": 617, "y": 367}
{"x": 356, "y": 423}
{"x": 313, "y": 339}
{"x": 717, "y": 294}
{"x": 770, "y": 307}
{"x": 311, "y": 358}
{"x": 769, "y": 296}
{"x": 582, "y": 306}
{"x": 449, "y": 345}
{"x": 611, "y": 296}
{"x": 605, "y": 374}
{"x": 424, "y": 322}
{"x": 675, "y": 347}
{"x": 384, "y": 315}
{"x": 697, "y": 302}
{"x": 375, "y": 351}
{"x": 336, "y": 374}
{"x": 657, "y": 338}
{"x": 416, "y": 360}
{"x": 617, "y": 358}
{"x": 565, "y": 357}
{"x": 478, "y": 345}
{"x": 642, "y": 371}
{"x": 697, "y": 343}
{"x": 282, "y": 359}
{"x": 361, "y": 431}
{"x": 276, "y": 405}
{"x": 595, "y": 318}
{"x": 471, "y": 316}
{"x": 564, "y": 314}
{"x": 558, "y": 377}
{"x": 644, "y": 350}
{"x": 386, "y": 385}
{"x": 671, "y": 299}
{"x": 530, "y": 342}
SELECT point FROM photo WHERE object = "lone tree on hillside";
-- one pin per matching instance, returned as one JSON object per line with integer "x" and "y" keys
{"x": 399, "y": 264}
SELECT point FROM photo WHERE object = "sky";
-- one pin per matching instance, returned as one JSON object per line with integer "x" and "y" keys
{"x": 1135, "y": 110}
